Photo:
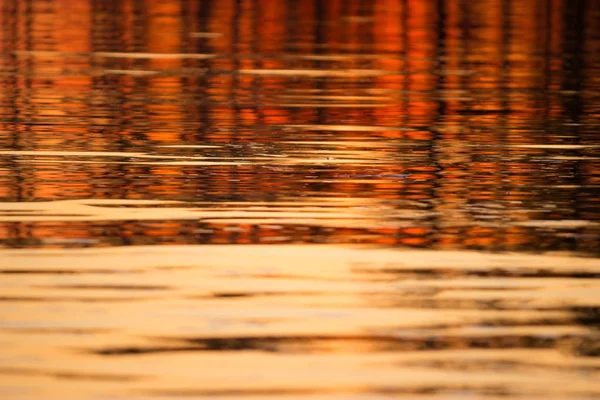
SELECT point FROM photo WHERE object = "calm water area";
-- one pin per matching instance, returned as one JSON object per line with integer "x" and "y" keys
{"x": 280, "y": 199}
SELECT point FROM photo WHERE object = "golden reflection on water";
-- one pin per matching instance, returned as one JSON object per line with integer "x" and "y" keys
{"x": 328, "y": 321}
{"x": 303, "y": 136}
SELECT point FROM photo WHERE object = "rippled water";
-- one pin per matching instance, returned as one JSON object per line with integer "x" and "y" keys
{"x": 385, "y": 199}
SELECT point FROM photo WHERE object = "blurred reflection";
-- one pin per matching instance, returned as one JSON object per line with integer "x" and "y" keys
{"x": 411, "y": 124}
{"x": 448, "y": 124}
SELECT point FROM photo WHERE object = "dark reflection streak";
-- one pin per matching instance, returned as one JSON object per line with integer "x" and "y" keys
{"x": 205, "y": 13}
{"x": 291, "y": 32}
{"x": 238, "y": 178}
{"x": 22, "y": 299}
{"x": 400, "y": 192}
{"x": 547, "y": 62}
{"x": 440, "y": 273}
{"x": 406, "y": 96}
{"x": 112, "y": 91}
{"x": 57, "y": 331}
{"x": 137, "y": 115}
{"x": 68, "y": 375}
{"x": 12, "y": 94}
{"x": 57, "y": 271}
{"x": 254, "y": 49}
{"x": 257, "y": 176}
{"x": 574, "y": 38}
{"x": 108, "y": 93}
{"x": 315, "y": 344}
{"x": 500, "y": 194}
{"x": 235, "y": 392}
{"x": 9, "y": 44}
{"x": 371, "y": 35}
{"x": 320, "y": 39}
{"x": 107, "y": 287}
{"x": 423, "y": 303}
{"x": 237, "y": 41}
{"x": 200, "y": 109}
{"x": 588, "y": 316}
{"x": 65, "y": 299}
{"x": 442, "y": 109}
{"x": 97, "y": 82}
{"x": 290, "y": 26}
{"x": 494, "y": 365}
{"x": 23, "y": 191}
{"x": 235, "y": 49}
{"x": 464, "y": 52}
{"x": 456, "y": 390}
{"x": 233, "y": 295}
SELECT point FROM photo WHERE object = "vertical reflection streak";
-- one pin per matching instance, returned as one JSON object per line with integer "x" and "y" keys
{"x": 441, "y": 120}
{"x": 574, "y": 45}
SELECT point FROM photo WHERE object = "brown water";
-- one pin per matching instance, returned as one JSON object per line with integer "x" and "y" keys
{"x": 363, "y": 200}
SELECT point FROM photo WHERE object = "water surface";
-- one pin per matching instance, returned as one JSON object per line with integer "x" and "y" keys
{"x": 386, "y": 199}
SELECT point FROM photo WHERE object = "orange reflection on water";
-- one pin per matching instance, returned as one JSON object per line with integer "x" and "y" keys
{"x": 414, "y": 106}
